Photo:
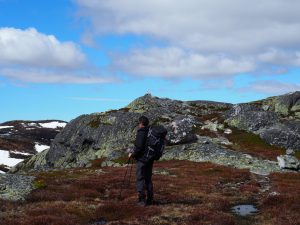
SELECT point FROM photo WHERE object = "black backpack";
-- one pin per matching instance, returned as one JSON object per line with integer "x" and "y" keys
{"x": 155, "y": 144}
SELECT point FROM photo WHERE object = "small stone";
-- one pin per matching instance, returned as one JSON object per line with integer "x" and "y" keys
{"x": 227, "y": 131}
{"x": 274, "y": 193}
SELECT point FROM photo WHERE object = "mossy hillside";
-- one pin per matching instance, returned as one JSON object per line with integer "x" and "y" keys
{"x": 253, "y": 144}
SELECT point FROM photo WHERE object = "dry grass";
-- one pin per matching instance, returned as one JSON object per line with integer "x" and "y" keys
{"x": 282, "y": 208}
{"x": 199, "y": 193}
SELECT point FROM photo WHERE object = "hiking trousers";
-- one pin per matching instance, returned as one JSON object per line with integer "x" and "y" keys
{"x": 144, "y": 179}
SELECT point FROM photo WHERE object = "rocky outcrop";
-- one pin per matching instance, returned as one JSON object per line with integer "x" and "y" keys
{"x": 287, "y": 105}
{"x": 15, "y": 187}
{"x": 267, "y": 124}
{"x": 196, "y": 131}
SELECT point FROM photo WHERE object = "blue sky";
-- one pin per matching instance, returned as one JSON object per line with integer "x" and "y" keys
{"x": 60, "y": 59}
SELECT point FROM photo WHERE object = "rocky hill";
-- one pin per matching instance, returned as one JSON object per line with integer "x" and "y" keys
{"x": 249, "y": 135}
{"x": 224, "y": 164}
{"x": 20, "y": 139}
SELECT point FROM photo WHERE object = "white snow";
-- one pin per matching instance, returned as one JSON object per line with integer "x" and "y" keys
{"x": 29, "y": 124}
{"x": 3, "y": 127}
{"x": 39, "y": 147}
{"x": 6, "y": 160}
{"x": 54, "y": 124}
{"x": 1, "y": 171}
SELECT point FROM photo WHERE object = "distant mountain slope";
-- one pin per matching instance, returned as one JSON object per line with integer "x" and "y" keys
{"x": 20, "y": 139}
{"x": 246, "y": 135}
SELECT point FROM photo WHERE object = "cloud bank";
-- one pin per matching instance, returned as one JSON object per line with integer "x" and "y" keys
{"x": 30, "y": 56}
{"x": 201, "y": 38}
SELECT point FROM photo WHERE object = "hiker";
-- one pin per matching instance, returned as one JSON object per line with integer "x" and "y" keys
{"x": 143, "y": 169}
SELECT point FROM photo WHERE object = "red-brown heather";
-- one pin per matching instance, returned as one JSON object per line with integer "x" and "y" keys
{"x": 189, "y": 193}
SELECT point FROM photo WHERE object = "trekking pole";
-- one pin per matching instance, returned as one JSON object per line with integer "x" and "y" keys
{"x": 130, "y": 172}
{"x": 122, "y": 186}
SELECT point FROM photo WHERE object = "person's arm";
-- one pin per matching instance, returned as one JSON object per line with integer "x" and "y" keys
{"x": 139, "y": 144}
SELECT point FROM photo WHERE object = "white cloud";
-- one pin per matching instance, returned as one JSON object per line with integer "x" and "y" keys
{"x": 31, "y": 48}
{"x": 217, "y": 25}
{"x": 48, "y": 76}
{"x": 30, "y": 56}
{"x": 272, "y": 87}
{"x": 174, "y": 62}
{"x": 280, "y": 57}
{"x": 207, "y": 38}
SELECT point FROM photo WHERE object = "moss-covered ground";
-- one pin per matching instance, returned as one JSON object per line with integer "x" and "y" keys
{"x": 196, "y": 193}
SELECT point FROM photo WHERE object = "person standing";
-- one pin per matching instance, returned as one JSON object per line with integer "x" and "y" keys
{"x": 143, "y": 168}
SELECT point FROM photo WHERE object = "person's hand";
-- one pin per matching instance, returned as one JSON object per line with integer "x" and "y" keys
{"x": 129, "y": 155}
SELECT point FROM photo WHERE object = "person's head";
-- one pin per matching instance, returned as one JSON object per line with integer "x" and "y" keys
{"x": 143, "y": 121}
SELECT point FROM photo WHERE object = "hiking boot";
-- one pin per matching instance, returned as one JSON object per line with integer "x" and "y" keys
{"x": 149, "y": 201}
{"x": 141, "y": 202}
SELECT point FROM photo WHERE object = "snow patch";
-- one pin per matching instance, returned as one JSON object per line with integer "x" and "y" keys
{"x": 39, "y": 147}
{"x": 6, "y": 160}
{"x": 2, "y": 172}
{"x": 29, "y": 124}
{"x": 54, "y": 124}
{"x": 4, "y": 127}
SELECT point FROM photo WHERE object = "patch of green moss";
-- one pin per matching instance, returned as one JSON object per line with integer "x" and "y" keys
{"x": 39, "y": 184}
{"x": 297, "y": 154}
{"x": 252, "y": 143}
{"x": 122, "y": 160}
{"x": 99, "y": 120}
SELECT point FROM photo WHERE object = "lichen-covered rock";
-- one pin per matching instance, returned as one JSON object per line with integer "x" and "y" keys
{"x": 250, "y": 118}
{"x": 288, "y": 162}
{"x": 15, "y": 187}
{"x": 285, "y": 135}
{"x": 107, "y": 134}
{"x": 180, "y": 130}
{"x": 287, "y": 105}
{"x": 284, "y": 104}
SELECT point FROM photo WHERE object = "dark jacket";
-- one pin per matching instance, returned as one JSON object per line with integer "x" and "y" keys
{"x": 140, "y": 143}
